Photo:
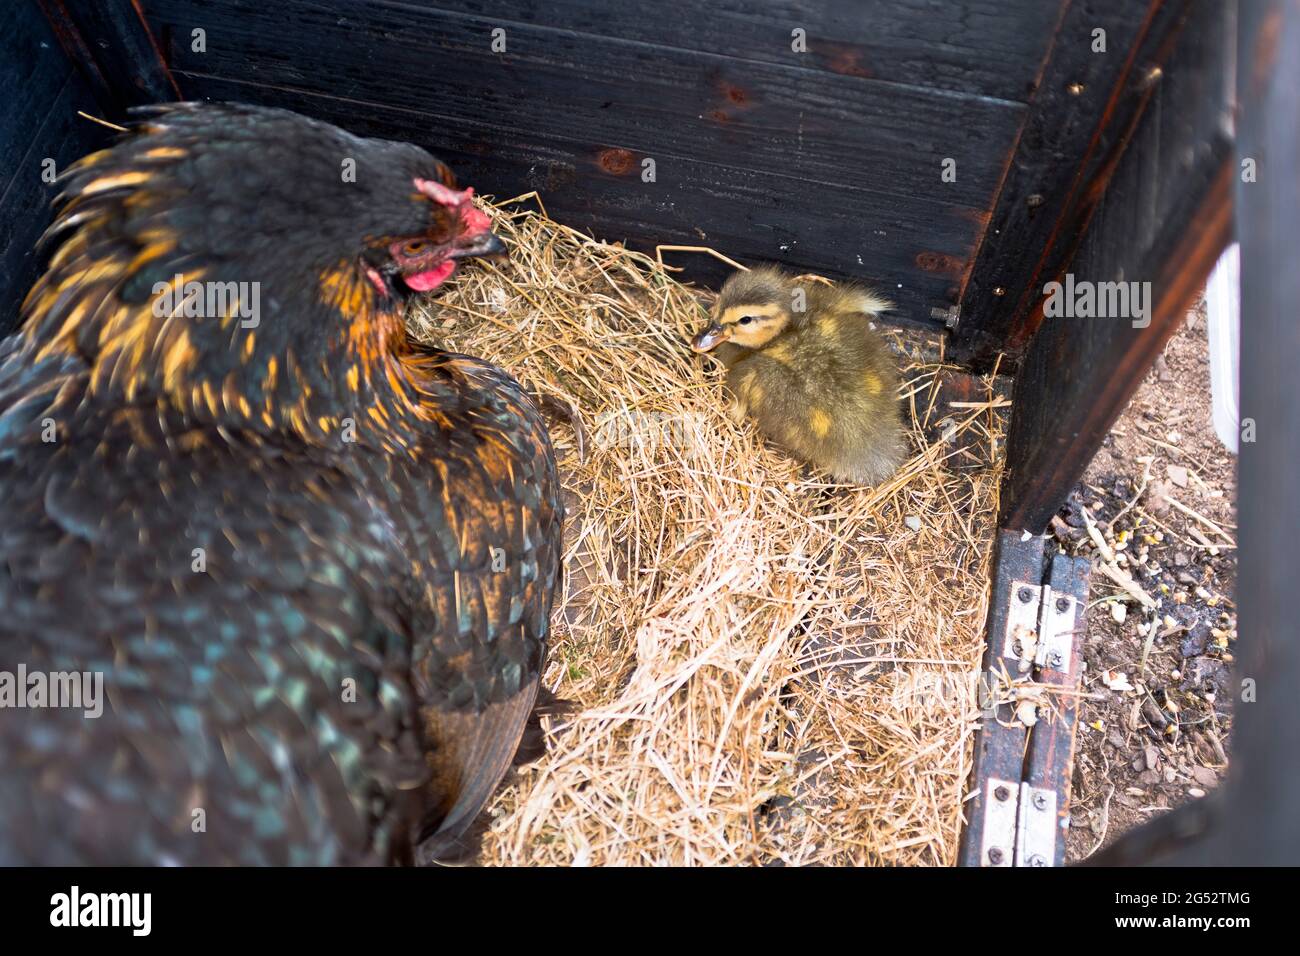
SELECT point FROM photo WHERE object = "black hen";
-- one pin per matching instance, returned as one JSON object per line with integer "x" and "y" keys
{"x": 313, "y": 561}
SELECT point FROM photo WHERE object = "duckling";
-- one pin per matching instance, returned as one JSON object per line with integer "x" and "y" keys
{"x": 818, "y": 380}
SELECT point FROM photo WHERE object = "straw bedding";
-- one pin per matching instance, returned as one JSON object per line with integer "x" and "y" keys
{"x": 767, "y": 668}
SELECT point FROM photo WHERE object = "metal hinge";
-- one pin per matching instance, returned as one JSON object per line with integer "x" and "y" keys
{"x": 1020, "y": 826}
{"x": 1036, "y": 827}
{"x": 998, "y": 837}
{"x": 1040, "y": 627}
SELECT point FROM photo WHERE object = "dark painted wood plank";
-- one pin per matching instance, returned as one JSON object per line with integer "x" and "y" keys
{"x": 34, "y": 73}
{"x": 1000, "y": 740}
{"x": 1264, "y": 783}
{"x": 1251, "y": 820}
{"x": 880, "y": 239}
{"x": 811, "y": 127}
{"x": 38, "y": 121}
{"x": 1050, "y": 759}
{"x": 1078, "y": 121}
{"x": 25, "y": 207}
{"x": 110, "y": 44}
{"x": 988, "y": 47}
{"x": 1164, "y": 219}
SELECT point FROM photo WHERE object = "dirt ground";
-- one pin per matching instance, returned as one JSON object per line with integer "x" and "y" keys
{"x": 1156, "y": 725}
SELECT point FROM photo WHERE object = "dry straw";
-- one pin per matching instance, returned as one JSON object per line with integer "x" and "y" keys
{"x": 767, "y": 667}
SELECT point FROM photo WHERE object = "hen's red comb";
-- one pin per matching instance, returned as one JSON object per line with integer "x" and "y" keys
{"x": 459, "y": 200}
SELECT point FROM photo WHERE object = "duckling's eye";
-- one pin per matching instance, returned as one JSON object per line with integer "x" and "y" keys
{"x": 746, "y": 319}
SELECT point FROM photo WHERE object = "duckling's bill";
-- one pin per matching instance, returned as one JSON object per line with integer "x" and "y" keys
{"x": 710, "y": 337}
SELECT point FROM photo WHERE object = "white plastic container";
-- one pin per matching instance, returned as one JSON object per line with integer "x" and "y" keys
{"x": 1223, "y": 327}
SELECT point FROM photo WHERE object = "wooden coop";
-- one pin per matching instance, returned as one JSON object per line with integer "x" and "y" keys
{"x": 958, "y": 155}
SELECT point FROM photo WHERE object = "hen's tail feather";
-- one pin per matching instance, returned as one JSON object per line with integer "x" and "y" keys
{"x": 460, "y": 850}
{"x": 532, "y": 744}
{"x": 470, "y": 753}
{"x": 473, "y": 752}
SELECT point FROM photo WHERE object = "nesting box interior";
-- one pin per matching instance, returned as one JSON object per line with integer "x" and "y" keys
{"x": 767, "y": 667}
{"x": 957, "y": 156}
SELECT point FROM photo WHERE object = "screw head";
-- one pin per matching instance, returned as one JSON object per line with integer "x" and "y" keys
{"x": 1040, "y": 801}
{"x": 995, "y": 855}
{"x": 1062, "y": 604}
{"x": 1002, "y": 793}
{"x": 1036, "y": 860}
{"x": 1026, "y": 595}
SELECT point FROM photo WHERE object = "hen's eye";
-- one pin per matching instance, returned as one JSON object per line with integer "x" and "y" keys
{"x": 414, "y": 247}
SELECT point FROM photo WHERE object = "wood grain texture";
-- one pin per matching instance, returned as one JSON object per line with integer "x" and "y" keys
{"x": 811, "y": 127}
{"x": 1163, "y": 219}
{"x": 1077, "y": 126}
{"x": 879, "y": 239}
{"x": 114, "y": 51}
{"x": 33, "y": 76}
{"x": 40, "y": 93}
{"x": 816, "y": 168}
{"x": 985, "y": 47}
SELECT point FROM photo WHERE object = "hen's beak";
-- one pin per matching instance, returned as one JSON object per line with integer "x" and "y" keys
{"x": 710, "y": 337}
{"x": 481, "y": 244}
